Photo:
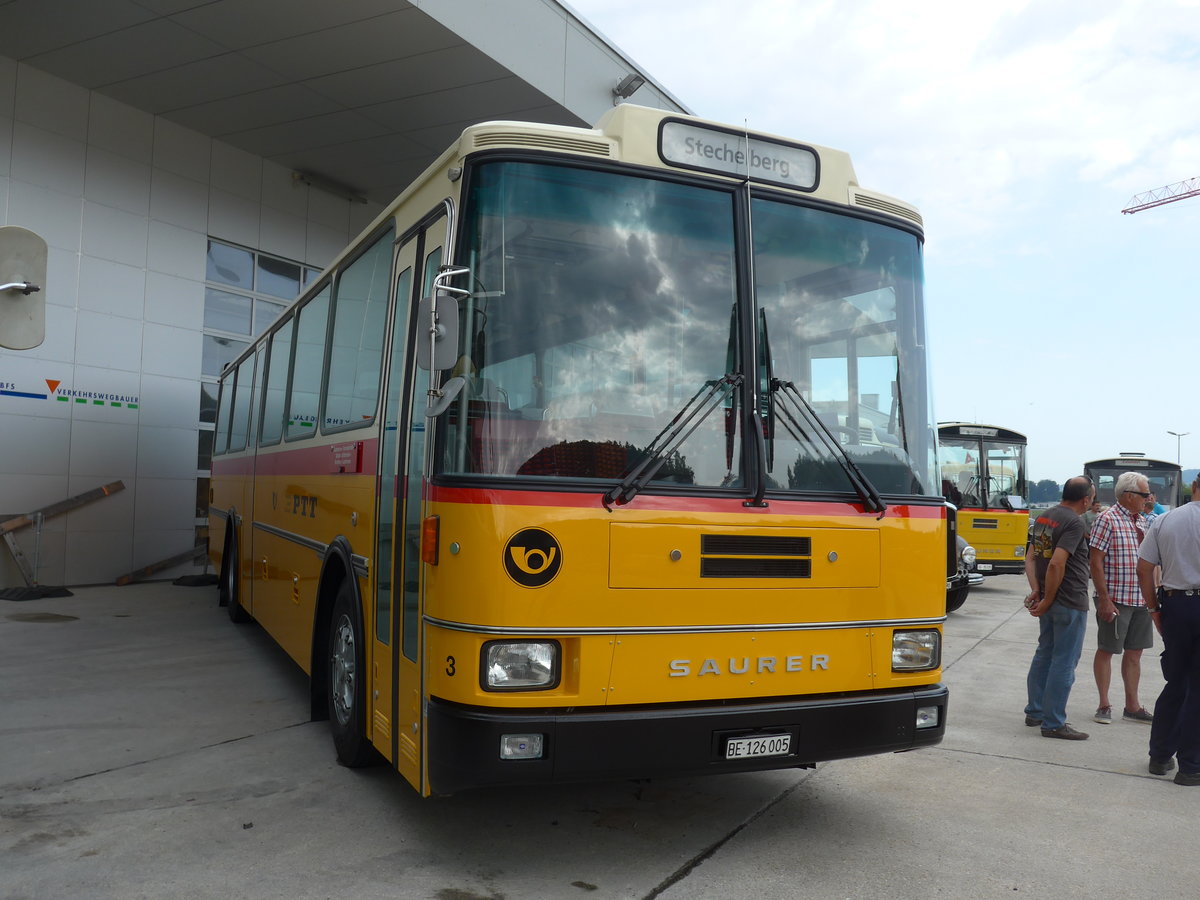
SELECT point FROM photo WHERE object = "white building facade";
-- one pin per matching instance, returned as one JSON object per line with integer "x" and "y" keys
{"x": 180, "y": 220}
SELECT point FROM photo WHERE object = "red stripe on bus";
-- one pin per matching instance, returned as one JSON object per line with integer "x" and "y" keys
{"x": 308, "y": 459}
{"x": 505, "y": 497}
{"x": 317, "y": 460}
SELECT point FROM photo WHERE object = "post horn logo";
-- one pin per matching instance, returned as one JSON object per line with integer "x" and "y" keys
{"x": 532, "y": 557}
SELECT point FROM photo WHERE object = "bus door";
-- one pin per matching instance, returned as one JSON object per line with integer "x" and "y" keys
{"x": 243, "y": 437}
{"x": 396, "y": 670}
{"x": 285, "y": 569}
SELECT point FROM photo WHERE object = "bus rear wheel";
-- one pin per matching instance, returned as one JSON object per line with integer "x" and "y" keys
{"x": 229, "y": 585}
{"x": 346, "y": 690}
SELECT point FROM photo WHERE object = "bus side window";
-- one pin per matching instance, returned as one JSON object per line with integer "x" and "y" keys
{"x": 279, "y": 357}
{"x": 359, "y": 321}
{"x": 239, "y": 426}
{"x": 224, "y": 407}
{"x": 304, "y": 397}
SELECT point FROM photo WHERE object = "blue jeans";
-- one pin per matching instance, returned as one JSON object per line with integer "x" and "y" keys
{"x": 1176, "y": 728}
{"x": 1052, "y": 671}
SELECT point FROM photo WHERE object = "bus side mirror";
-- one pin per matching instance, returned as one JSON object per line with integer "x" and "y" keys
{"x": 22, "y": 277}
{"x": 437, "y": 335}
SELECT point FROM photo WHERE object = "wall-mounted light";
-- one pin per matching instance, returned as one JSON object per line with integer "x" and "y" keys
{"x": 328, "y": 185}
{"x": 626, "y": 87}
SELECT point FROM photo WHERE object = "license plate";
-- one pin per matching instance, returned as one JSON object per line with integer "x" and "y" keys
{"x": 758, "y": 745}
{"x": 984, "y": 567}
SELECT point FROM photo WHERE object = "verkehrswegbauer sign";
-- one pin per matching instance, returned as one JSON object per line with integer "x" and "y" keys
{"x": 731, "y": 153}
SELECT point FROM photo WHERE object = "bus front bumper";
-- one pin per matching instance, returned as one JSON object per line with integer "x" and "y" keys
{"x": 670, "y": 741}
{"x": 1001, "y": 566}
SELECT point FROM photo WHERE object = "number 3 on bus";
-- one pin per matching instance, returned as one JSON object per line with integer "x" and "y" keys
{"x": 579, "y": 404}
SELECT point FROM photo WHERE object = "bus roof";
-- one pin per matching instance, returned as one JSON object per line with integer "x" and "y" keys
{"x": 634, "y": 135}
{"x": 1131, "y": 462}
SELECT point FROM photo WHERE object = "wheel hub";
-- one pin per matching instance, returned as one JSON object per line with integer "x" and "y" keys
{"x": 343, "y": 673}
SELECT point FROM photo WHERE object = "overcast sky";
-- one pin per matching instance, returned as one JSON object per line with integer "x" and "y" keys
{"x": 1020, "y": 130}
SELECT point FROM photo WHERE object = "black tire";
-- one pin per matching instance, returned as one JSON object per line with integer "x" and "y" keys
{"x": 345, "y": 689}
{"x": 956, "y": 598}
{"x": 229, "y": 584}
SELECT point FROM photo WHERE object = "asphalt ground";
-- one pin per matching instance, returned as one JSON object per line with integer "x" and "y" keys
{"x": 151, "y": 749}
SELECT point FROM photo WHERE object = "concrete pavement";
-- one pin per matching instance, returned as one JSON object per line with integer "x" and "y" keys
{"x": 150, "y": 748}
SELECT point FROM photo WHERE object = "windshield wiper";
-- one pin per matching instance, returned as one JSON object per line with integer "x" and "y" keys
{"x": 667, "y": 441}
{"x": 793, "y": 406}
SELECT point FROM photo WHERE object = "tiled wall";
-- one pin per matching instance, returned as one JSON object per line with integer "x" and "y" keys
{"x": 126, "y": 202}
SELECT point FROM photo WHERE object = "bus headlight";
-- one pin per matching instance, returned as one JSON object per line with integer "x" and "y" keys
{"x": 914, "y": 651}
{"x": 519, "y": 665}
{"x": 968, "y": 555}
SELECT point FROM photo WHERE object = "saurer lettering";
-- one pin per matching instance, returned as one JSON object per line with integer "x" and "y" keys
{"x": 743, "y": 665}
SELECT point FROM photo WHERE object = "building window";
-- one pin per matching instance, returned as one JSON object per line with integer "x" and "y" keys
{"x": 245, "y": 292}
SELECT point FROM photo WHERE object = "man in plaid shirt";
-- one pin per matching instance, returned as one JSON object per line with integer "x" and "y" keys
{"x": 1125, "y": 628}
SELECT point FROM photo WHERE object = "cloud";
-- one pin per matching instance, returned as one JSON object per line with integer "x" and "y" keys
{"x": 1020, "y": 129}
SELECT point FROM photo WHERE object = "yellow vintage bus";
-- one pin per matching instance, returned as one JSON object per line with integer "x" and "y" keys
{"x": 983, "y": 474}
{"x": 601, "y": 453}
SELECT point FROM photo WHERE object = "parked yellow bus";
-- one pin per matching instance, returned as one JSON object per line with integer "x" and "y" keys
{"x": 601, "y": 453}
{"x": 983, "y": 474}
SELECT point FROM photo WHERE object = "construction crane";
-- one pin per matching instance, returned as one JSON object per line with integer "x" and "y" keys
{"x": 1169, "y": 194}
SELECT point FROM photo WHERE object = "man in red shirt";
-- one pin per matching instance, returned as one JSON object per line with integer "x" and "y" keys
{"x": 1125, "y": 628}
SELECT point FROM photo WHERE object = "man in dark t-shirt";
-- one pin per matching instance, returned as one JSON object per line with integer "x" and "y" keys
{"x": 1056, "y": 565}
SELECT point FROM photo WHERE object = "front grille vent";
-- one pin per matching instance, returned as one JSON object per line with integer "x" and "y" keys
{"x": 755, "y": 545}
{"x": 755, "y": 556}
{"x": 732, "y": 567}
{"x": 542, "y": 141}
{"x": 986, "y": 523}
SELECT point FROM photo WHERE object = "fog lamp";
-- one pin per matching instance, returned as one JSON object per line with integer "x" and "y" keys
{"x": 927, "y": 717}
{"x": 521, "y": 746}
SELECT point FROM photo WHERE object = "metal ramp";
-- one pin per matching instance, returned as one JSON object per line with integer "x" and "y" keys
{"x": 12, "y": 524}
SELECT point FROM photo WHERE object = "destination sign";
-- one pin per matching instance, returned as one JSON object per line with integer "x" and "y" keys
{"x": 976, "y": 430}
{"x": 730, "y": 153}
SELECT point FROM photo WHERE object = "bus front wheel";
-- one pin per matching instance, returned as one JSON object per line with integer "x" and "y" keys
{"x": 346, "y": 691}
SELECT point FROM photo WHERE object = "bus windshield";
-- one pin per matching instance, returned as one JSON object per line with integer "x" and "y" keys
{"x": 602, "y": 305}
{"x": 984, "y": 474}
{"x": 1165, "y": 479}
{"x": 1005, "y": 473}
{"x": 839, "y": 301}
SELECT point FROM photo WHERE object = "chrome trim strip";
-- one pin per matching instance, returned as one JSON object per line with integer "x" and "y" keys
{"x": 316, "y": 546}
{"x": 680, "y": 629}
{"x": 361, "y": 564}
{"x": 219, "y": 513}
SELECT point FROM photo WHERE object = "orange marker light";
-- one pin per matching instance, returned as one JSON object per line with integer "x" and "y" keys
{"x": 430, "y": 528}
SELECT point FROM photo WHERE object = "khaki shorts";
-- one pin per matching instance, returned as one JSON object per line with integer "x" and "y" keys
{"x": 1132, "y": 630}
